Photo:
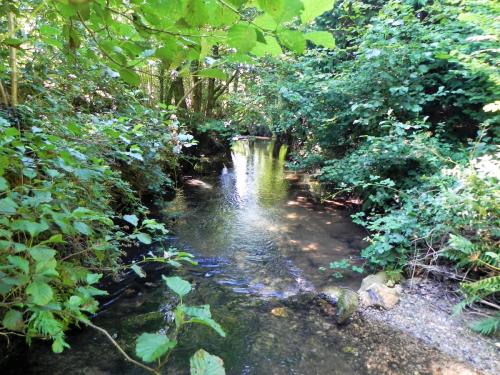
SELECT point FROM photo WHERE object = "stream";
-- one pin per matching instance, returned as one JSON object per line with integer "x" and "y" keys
{"x": 260, "y": 240}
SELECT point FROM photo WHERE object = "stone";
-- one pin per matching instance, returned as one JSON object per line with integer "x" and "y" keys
{"x": 378, "y": 278}
{"x": 331, "y": 294}
{"x": 280, "y": 312}
{"x": 380, "y": 295}
{"x": 347, "y": 305}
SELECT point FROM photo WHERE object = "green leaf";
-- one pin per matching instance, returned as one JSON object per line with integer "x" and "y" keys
{"x": 212, "y": 73}
{"x": 271, "y": 47}
{"x": 19, "y": 262}
{"x": 4, "y": 185}
{"x": 203, "y": 363}
{"x": 242, "y": 36}
{"x": 138, "y": 270}
{"x": 272, "y": 7}
{"x": 266, "y": 22}
{"x": 8, "y": 206}
{"x": 82, "y": 228}
{"x": 59, "y": 344}
{"x": 197, "y": 311}
{"x": 293, "y": 40}
{"x": 151, "y": 346}
{"x": 144, "y": 238}
{"x": 130, "y": 77}
{"x": 132, "y": 219}
{"x": 33, "y": 228}
{"x": 40, "y": 253}
{"x": 13, "y": 320}
{"x": 13, "y": 42}
{"x": 321, "y": 38}
{"x": 210, "y": 323}
{"x": 41, "y": 293}
{"x": 93, "y": 278}
{"x": 315, "y": 8}
{"x": 177, "y": 285}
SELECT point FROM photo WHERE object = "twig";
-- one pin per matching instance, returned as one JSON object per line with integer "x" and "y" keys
{"x": 117, "y": 346}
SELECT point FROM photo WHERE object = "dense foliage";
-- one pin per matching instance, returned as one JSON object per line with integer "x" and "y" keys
{"x": 403, "y": 116}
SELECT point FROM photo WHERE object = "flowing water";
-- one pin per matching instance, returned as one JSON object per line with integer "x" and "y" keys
{"x": 260, "y": 240}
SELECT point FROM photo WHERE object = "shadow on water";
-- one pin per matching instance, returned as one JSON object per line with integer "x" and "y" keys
{"x": 259, "y": 240}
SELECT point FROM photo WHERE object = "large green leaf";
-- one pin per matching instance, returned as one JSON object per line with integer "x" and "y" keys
{"x": 293, "y": 40}
{"x": 41, "y": 293}
{"x": 13, "y": 320}
{"x": 271, "y": 47}
{"x": 177, "y": 285}
{"x": 8, "y": 206}
{"x": 33, "y": 228}
{"x": 209, "y": 322}
{"x": 151, "y": 346}
{"x": 19, "y": 262}
{"x": 4, "y": 185}
{"x": 212, "y": 73}
{"x": 132, "y": 219}
{"x": 321, "y": 38}
{"x": 204, "y": 363}
{"x": 315, "y": 8}
{"x": 242, "y": 36}
{"x": 130, "y": 77}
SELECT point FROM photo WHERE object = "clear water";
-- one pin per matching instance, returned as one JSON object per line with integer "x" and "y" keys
{"x": 260, "y": 241}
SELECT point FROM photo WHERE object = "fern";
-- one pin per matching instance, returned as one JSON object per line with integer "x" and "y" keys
{"x": 487, "y": 326}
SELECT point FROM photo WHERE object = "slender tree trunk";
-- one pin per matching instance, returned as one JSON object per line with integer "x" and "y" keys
{"x": 179, "y": 92}
{"x": 210, "y": 97}
{"x": 197, "y": 90}
{"x": 161, "y": 83}
{"x": 170, "y": 94}
{"x": 236, "y": 81}
{"x": 12, "y": 62}
{"x": 211, "y": 89}
{"x": 3, "y": 95}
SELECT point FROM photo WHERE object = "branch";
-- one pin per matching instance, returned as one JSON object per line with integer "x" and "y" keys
{"x": 117, "y": 346}
{"x": 220, "y": 90}
{"x": 188, "y": 93}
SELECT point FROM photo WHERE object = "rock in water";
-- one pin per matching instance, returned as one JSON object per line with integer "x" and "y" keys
{"x": 280, "y": 312}
{"x": 380, "y": 295}
{"x": 347, "y": 305}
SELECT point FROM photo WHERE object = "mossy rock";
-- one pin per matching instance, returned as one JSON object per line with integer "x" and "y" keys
{"x": 347, "y": 305}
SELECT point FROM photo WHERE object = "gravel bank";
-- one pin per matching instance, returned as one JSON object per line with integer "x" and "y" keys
{"x": 425, "y": 312}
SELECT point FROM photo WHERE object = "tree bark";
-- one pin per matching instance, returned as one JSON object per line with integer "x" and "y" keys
{"x": 210, "y": 97}
{"x": 236, "y": 81}
{"x": 179, "y": 92}
{"x": 12, "y": 61}
{"x": 161, "y": 83}
{"x": 3, "y": 94}
{"x": 197, "y": 90}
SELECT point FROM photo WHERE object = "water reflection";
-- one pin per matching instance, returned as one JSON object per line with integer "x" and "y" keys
{"x": 271, "y": 235}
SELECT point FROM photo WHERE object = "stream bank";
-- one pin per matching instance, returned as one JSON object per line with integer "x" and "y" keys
{"x": 259, "y": 242}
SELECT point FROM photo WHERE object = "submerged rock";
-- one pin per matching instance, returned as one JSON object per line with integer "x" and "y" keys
{"x": 280, "y": 312}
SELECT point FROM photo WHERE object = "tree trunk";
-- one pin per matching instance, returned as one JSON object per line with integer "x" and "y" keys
{"x": 161, "y": 83}
{"x": 197, "y": 90}
{"x": 12, "y": 62}
{"x": 170, "y": 95}
{"x": 210, "y": 97}
{"x": 179, "y": 92}
{"x": 236, "y": 81}
{"x": 3, "y": 94}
